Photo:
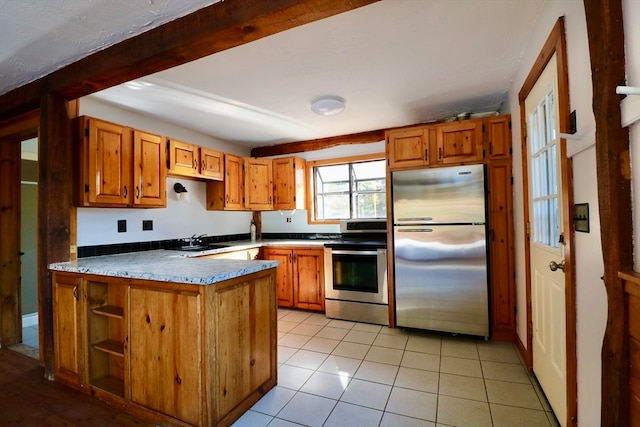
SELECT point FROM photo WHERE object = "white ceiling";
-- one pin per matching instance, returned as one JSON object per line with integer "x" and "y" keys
{"x": 396, "y": 62}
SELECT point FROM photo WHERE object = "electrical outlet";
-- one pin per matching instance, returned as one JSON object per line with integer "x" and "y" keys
{"x": 288, "y": 219}
{"x": 147, "y": 224}
{"x": 122, "y": 226}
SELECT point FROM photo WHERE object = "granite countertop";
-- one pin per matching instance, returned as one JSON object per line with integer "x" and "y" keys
{"x": 166, "y": 266}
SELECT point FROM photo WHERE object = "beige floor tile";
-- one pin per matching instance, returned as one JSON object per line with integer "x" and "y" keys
{"x": 367, "y": 327}
{"x": 510, "y": 416}
{"x": 394, "y": 331}
{"x": 512, "y": 394}
{"x": 344, "y": 324}
{"x": 391, "y": 356}
{"x": 366, "y": 393}
{"x": 505, "y": 372}
{"x": 272, "y": 402}
{"x": 424, "y": 344}
{"x": 285, "y": 353}
{"x": 332, "y": 333}
{"x": 284, "y": 326}
{"x": 253, "y": 419}
{"x": 307, "y": 409}
{"x": 462, "y": 387}
{"x": 326, "y": 385}
{"x": 391, "y": 341}
{"x": 417, "y": 379}
{"x": 459, "y": 347}
{"x": 307, "y": 359}
{"x": 339, "y": 365}
{"x": 297, "y": 316}
{"x": 377, "y": 372}
{"x": 498, "y": 352}
{"x": 429, "y": 362}
{"x": 460, "y": 366}
{"x": 293, "y": 377}
{"x": 323, "y": 345}
{"x": 412, "y": 403}
{"x": 294, "y": 340}
{"x": 317, "y": 319}
{"x": 395, "y": 420}
{"x": 348, "y": 415}
{"x": 463, "y": 413}
{"x": 306, "y": 329}
{"x": 360, "y": 337}
{"x": 351, "y": 349}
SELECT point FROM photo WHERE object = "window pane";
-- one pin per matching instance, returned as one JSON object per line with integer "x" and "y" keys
{"x": 368, "y": 170}
{"x": 334, "y": 207}
{"x": 334, "y": 173}
{"x": 370, "y": 205}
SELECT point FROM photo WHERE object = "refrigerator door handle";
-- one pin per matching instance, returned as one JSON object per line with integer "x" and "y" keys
{"x": 415, "y": 230}
{"x": 422, "y": 219}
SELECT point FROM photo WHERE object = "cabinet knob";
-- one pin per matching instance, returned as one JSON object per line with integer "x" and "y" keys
{"x": 75, "y": 292}
{"x": 137, "y": 192}
{"x": 126, "y": 192}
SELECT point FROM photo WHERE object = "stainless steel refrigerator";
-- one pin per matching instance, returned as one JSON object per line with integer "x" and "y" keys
{"x": 440, "y": 249}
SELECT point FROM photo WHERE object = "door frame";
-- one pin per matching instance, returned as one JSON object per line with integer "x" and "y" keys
{"x": 555, "y": 44}
{"x": 12, "y": 132}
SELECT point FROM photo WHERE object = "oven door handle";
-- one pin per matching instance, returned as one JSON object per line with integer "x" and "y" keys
{"x": 344, "y": 252}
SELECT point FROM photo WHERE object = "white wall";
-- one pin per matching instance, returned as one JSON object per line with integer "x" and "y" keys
{"x": 591, "y": 295}
{"x": 632, "y": 52}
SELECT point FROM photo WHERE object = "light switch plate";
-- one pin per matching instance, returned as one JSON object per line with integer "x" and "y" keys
{"x": 581, "y": 217}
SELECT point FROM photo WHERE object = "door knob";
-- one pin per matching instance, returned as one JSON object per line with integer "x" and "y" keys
{"x": 553, "y": 266}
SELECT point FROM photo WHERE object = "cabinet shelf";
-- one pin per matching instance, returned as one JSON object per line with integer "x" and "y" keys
{"x": 109, "y": 311}
{"x": 110, "y": 346}
{"x": 110, "y": 384}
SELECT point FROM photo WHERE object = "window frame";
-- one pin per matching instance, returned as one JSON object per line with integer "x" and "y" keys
{"x": 311, "y": 199}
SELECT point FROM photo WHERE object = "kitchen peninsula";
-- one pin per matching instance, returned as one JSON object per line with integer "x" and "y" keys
{"x": 183, "y": 340}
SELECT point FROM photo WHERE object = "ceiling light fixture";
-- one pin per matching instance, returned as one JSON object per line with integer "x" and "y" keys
{"x": 328, "y": 105}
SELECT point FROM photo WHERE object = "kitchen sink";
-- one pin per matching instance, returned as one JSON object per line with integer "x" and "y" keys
{"x": 199, "y": 248}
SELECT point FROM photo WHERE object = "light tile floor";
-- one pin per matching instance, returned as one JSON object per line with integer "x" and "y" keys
{"x": 337, "y": 373}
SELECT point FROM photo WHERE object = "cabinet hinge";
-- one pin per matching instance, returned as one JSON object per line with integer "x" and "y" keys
{"x": 484, "y": 154}
{"x": 511, "y": 180}
{"x": 294, "y": 198}
{"x": 509, "y": 124}
{"x": 483, "y": 128}
{"x": 86, "y": 132}
{"x": 86, "y": 188}
{"x": 524, "y": 130}
{"x": 510, "y": 150}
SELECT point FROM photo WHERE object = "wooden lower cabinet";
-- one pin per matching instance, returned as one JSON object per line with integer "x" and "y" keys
{"x": 176, "y": 353}
{"x": 300, "y": 276}
{"x": 67, "y": 325}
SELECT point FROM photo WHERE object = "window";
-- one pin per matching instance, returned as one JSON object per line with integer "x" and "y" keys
{"x": 346, "y": 190}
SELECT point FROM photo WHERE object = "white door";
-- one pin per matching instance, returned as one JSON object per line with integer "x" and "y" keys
{"x": 545, "y": 241}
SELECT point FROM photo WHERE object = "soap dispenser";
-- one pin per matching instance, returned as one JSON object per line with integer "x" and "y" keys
{"x": 253, "y": 231}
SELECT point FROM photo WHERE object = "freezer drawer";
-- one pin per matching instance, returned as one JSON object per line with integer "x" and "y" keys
{"x": 441, "y": 278}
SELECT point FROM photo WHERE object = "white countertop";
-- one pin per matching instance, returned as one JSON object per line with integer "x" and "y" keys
{"x": 166, "y": 266}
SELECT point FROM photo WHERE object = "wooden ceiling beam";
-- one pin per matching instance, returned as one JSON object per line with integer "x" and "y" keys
{"x": 215, "y": 28}
{"x": 318, "y": 144}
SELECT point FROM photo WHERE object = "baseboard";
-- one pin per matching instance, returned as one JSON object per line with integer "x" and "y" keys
{"x": 526, "y": 354}
{"x": 30, "y": 320}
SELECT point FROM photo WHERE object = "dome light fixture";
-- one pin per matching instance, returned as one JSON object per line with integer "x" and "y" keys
{"x": 328, "y": 105}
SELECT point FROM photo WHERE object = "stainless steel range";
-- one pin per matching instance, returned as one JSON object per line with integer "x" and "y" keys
{"x": 356, "y": 273}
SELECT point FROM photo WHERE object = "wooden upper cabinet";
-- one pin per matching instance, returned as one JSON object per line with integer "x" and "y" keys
{"x": 106, "y": 163}
{"x": 460, "y": 142}
{"x": 191, "y": 160}
{"x": 499, "y": 137}
{"x": 258, "y": 184}
{"x": 150, "y": 170}
{"x": 408, "y": 147}
{"x": 229, "y": 193}
{"x": 184, "y": 158}
{"x": 120, "y": 166}
{"x": 288, "y": 183}
{"x": 211, "y": 164}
